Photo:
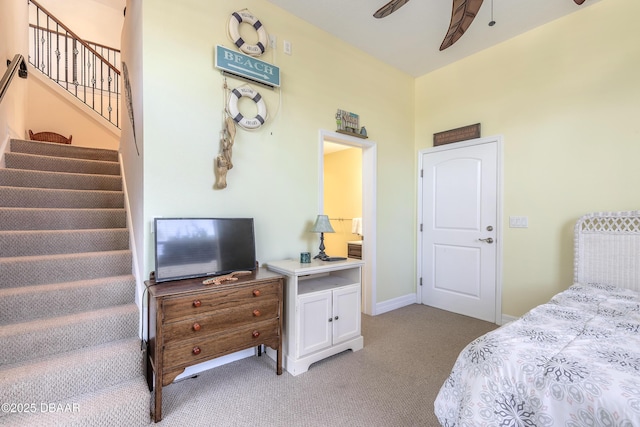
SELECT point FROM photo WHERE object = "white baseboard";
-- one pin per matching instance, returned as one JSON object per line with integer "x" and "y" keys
{"x": 403, "y": 301}
{"x": 214, "y": 363}
{"x": 395, "y": 303}
{"x": 506, "y": 319}
{"x": 4, "y": 147}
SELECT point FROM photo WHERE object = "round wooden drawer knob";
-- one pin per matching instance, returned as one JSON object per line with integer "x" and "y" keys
{"x": 255, "y": 334}
{"x": 196, "y": 350}
{"x": 256, "y": 313}
{"x": 197, "y": 303}
{"x": 256, "y": 293}
{"x": 196, "y": 327}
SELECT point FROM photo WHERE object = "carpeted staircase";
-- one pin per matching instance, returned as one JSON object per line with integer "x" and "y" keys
{"x": 69, "y": 348}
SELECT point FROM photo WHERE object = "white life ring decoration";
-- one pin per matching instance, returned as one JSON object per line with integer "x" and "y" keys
{"x": 238, "y": 18}
{"x": 234, "y": 112}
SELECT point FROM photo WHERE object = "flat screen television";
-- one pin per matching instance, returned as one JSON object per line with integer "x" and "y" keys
{"x": 198, "y": 247}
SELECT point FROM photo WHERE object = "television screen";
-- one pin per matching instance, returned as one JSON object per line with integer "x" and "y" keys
{"x": 197, "y": 247}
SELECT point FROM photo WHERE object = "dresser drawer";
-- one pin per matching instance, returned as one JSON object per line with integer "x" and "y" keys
{"x": 354, "y": 251}
{"x": 189, "y": 352}
{"x": 189, "y": 306}
{"x": 256, "y": 310}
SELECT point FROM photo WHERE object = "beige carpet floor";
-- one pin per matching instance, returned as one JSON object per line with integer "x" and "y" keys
{"x": 393, "y": 381}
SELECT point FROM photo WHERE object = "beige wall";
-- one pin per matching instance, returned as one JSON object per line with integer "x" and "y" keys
{"x": 275, "y": 175}
{"x": 51, "y": 109}
{"x": 94, "y": 21}
{"x": 13, "y": 40}
{"x": 342, "y": 197}
{"x": 566, "y": 98}
{"x": 132, "y": 146}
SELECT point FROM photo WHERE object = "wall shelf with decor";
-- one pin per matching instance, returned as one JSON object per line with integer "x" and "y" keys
{"x": 348, "y": 123}
{"x": 357, "y": 135}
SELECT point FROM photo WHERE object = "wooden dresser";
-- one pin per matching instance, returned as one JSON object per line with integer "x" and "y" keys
{"x": 191, "y": 323}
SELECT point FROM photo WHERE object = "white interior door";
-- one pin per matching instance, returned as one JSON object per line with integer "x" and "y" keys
{"x": 459, "y": 248}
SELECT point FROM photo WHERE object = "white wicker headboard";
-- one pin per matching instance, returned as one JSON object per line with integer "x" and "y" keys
{"x": 607, "y": 249}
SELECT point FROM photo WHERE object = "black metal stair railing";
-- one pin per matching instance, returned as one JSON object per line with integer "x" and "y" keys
{"x": 112, "y": 55}
{"x": 74, "y": 64}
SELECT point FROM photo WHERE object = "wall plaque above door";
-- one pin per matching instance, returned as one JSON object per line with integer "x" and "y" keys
{"x": 456, "y": 135}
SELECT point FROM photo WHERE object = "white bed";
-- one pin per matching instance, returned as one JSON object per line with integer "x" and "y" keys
{"x": 574, "y": 361}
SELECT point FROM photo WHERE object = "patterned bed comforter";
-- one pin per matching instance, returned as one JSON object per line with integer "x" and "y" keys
{"x": 572, "y": 362}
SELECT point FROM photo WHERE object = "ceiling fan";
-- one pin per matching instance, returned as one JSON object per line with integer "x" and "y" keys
{"x": 462, "y": 15}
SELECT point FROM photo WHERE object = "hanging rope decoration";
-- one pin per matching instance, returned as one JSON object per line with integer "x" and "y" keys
{"x": 234, "y": 111}
{"x": 223, "y": 161}
{"x": 245, "y": 16}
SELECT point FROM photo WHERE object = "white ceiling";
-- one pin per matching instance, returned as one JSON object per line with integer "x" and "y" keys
{"x": 410, "y": 38}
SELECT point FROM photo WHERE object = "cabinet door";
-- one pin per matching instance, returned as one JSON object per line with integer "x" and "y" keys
{"x": 346, "y": 313}
{"x": 314, "y": 322}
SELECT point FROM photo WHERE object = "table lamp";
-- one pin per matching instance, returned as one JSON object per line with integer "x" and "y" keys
{"x": 322, "y": 226}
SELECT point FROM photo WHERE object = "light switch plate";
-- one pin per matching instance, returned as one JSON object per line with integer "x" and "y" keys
{"x": 518, "y": 222}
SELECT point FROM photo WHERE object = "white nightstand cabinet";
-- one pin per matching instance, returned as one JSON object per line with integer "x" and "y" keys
{"x": 322, "y": 310}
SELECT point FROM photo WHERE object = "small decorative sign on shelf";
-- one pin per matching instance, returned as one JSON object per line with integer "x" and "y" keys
{"x": 456, "y": 135}
{"x": 349, "y": 123}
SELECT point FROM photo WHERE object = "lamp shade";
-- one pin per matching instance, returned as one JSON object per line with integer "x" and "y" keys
{"x": 322, "y": 225}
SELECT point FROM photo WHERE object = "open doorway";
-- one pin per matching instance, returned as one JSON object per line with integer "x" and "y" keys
{"x": 344, "y": 223}
{"x": 343, "y": 199}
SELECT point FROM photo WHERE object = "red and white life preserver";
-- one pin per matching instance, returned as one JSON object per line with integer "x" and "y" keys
{"x": 234, "y": 112}
{"x": 238, "y": 18}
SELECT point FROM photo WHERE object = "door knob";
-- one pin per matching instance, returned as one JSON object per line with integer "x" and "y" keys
{"x": 488, "y": 240}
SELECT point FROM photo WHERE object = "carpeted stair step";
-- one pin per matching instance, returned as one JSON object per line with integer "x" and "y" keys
{"x": 61, "y": 219}
{"x": 49, "y": 242}
{"x": 60, "y": 164}
{"x": 69, "y": 374}
{"x": 59, "y": 150}
{"x": 60, "y": 198}
{"x": 28, "y": 303}
{"x": 44, "y": 179}
{"x": 26, "y": 341}
{"x": 124, "y": 404}
{"x": 42, "y": 269}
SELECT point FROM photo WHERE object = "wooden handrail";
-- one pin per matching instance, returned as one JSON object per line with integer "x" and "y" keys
{"x": 16, "y": 65}
{"x": 75, "y": 36}
{"x": 37, "y": 27}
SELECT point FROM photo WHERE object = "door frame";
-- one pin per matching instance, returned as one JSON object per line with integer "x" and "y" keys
{"x": 498, "y": 140}
{"x": 369, "y": 162}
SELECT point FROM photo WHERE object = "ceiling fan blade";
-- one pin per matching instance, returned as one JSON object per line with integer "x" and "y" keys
{"x": 389, "y": 8}
{"x": 578, "y": 2}
{"x": 462, "y": 15}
